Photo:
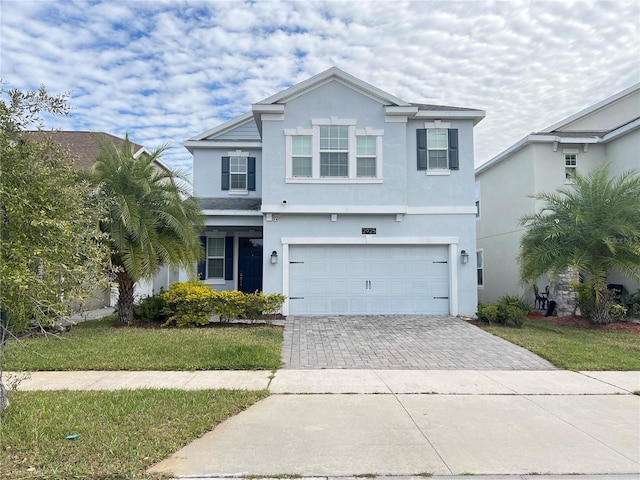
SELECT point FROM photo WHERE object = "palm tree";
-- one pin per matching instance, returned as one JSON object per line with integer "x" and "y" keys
{"x": 151, "y": 220}
{"x": 592, "y": 226}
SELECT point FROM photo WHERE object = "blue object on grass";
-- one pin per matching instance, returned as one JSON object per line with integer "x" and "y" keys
{"x": 73, "y": 437}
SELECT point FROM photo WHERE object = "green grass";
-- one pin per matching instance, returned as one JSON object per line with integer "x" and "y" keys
{"x": 120, "y": 434}
{"x": 98, "y": 345}
{"x": 575, "y": 348}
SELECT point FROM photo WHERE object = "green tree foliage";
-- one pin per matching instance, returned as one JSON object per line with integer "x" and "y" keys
{"x": 49, "y": 248}
{"x": 592, "y": 226}
{"x": 49, "y": 217}
{"x": 151, "y": 221}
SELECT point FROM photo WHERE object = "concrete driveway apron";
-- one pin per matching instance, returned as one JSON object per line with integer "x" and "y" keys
{"x": 399, "y": 342}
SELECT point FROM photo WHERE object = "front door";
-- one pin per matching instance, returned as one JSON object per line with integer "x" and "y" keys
{"x": 250, "y": 265}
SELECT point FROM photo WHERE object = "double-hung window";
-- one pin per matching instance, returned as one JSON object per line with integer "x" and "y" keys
{"x": 301, "y": 159}
{"x": 480, "y": 267}
{"x": 366, "y": 147}
{"x": 238, "y": 173}
{"x": 570, "y": 164}
{"x": 215, "y": 258}
{"x": 334, "y": 151}
{"x": 437, "y": 149}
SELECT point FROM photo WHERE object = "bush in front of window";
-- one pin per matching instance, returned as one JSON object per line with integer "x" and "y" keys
{"x": 188, "y": 304}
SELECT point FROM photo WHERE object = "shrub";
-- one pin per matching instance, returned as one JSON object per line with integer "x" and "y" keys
{"x": 488, "y": 313}
{"x": 151, "y": 309}
{"x": 511, "y": 315}
{"x": 616, "y": 311}
{"x": 189, "y": 303}
{"x": 509, "y": 311}
{"x": 230, "y": 304}
{"x": 585, "y": 298}
{"x": 519, "y": 302}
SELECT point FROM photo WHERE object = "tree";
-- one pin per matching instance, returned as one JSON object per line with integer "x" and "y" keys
{"x": 50, "y": 254}
{"x": 592, "y": 226}
{"x": 151, "y": 221}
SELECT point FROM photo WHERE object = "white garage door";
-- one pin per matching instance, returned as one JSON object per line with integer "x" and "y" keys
{"x": 368, "y": 279}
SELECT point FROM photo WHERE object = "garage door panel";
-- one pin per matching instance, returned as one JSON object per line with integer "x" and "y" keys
{"x": 369, "y": 279}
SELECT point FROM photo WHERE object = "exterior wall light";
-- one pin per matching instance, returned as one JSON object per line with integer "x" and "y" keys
{"x": 274, "y": 257}
{"x": 464, "y": 256}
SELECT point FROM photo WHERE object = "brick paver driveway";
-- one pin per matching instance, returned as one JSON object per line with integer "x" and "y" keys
{"x": 399, "y": 342}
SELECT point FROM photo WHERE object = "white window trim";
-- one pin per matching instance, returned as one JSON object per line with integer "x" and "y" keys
{"x": 217, "y": 280}
{"x": 484, "y": 276}
{"x": 239, "y": 191}
{"x": 314, "y": 132}
{"x": 477, "y": 194}
{"x": 565, "y": 152}
{"x": 438, "y": 171}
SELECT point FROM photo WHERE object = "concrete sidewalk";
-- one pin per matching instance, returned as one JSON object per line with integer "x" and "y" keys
{"x": 337, "y": 423}
{"x": 457, "y": 382}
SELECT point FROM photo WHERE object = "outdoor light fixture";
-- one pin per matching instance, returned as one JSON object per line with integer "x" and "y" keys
{"x": 274, "y": 257}
{"x": 464, "y": 256}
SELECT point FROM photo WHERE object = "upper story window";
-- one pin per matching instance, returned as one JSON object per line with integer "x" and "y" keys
{"x": 366, "y": 150}
{"x": 570, "y": 164}
{"x": 437, "y": 149}
{"x": 334, "y": 151}
{"x": 238, "y": 173}
{"x": 301, "y": 155}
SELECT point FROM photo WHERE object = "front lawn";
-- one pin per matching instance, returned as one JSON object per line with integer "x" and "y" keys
{"x": 120, "y": 434}
{"x": 98, "y": 345}
{"x": 575, "y": 349}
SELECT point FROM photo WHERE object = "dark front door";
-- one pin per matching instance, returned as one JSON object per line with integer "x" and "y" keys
{"x": 250, "y": 265}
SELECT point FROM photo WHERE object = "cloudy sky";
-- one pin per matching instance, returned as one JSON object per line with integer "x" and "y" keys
{"x": 164, "y": 71}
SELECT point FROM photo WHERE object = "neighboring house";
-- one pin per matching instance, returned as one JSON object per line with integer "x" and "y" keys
{"x": 344, "y": 198}
{"x": 84, "y": 149}
{"x": 608, "y": 131}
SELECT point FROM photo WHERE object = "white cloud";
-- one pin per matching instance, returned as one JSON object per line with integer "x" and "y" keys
{"x": 164, "y": 70}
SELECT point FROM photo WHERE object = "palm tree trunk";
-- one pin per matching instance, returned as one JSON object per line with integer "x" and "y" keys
{"x": 126, "y": 286}
{"x": 600, "y": 313}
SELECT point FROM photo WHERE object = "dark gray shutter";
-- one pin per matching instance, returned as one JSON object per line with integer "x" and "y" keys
{"x": 202, "y": 266}
{"x": 251, "y": 173}
{"x": 228, "y": 258}
{"x": 421, "y": 142}
{"x": 453, "y": 149}
{"x": 225, "y": 173}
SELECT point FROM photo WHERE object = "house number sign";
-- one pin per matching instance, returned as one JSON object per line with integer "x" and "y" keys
{"x": 368, "y": 231}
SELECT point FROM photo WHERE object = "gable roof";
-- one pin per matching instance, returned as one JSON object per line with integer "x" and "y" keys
{"x": 556, "y": 133}
{"x": 275, "y": 104}
{"x": 84, "y": 146}
{"x": 331, "y": 74}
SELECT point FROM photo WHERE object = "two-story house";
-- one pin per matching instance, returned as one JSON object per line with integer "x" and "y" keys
{"x": 607, "y": 132}
{"x": 346, "y": 199}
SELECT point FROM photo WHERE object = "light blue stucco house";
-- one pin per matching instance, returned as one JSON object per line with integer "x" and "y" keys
{"x": 346, "y": 199}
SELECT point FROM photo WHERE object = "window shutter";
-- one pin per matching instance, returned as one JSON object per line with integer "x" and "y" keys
{"x": 453, "y": 149}
{"x": 202, "y": 266}
{"x": 225, "y": 173}
{"x": 251, "y": 173}
{"x": 421, "y": 142}
{"x": 228, "y": 258}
